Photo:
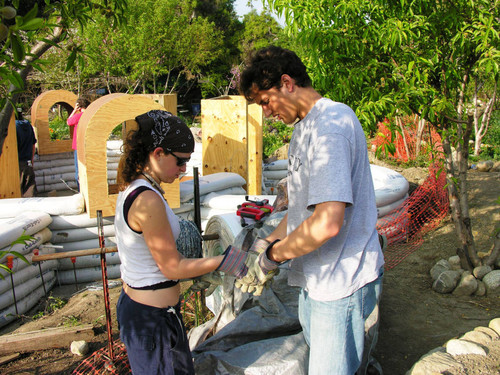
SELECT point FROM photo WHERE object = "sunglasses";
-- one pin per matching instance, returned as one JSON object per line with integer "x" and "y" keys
{"x": 180, "y": 161}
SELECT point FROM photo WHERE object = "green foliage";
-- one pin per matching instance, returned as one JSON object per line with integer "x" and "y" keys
{"x": 51, "y": 304}
{"x": 58, "y": 128}
{"x": 22, "y": 240}
{"x": 275, "y": 134}
{"x": 491, "y": 142}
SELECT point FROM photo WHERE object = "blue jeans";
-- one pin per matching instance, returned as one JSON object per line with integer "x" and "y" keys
{"x": 335, "y": 330}
{"x": 155, "y": 338}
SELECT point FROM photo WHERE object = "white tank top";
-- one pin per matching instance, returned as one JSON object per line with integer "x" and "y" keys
{"x": 138, "y": 267}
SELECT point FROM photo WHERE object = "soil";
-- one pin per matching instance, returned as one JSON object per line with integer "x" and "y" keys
{"x": 414, "y": 318}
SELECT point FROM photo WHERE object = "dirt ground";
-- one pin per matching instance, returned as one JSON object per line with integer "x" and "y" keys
{"x": 414, "y": 319}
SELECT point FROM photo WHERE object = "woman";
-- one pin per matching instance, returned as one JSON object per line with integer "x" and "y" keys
{"x": 148, "y": 311}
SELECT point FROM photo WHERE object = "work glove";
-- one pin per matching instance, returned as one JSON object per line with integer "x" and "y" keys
{"x": 233, "y": 262}
{"x": 260, "y": 268}
{"x": 208, "y": 282}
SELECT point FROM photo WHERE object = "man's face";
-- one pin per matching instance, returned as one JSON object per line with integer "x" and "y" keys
{"x": 277, "y": 103}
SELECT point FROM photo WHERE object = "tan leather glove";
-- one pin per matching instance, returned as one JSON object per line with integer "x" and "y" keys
{"x": 208, "y": 282}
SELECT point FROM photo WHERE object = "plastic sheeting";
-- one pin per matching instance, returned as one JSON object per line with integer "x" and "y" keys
{"x": 264, "y": 335}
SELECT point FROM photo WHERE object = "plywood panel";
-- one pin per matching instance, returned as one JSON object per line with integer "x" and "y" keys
{"x": 9, "y": 165}
{"x": 169, "y": 101}
{"x": 232, "y": 139}
{"x": 40, "y": 120}
{"x": 94, "y": 128}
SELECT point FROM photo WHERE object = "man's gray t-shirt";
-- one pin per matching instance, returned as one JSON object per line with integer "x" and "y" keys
{"x": 328, "y": 161}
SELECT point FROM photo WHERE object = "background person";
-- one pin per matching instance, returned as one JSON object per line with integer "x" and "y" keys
{"x": 329, "y": 231}
{"x": 26, "y": 148}
{"x": 73, "y": 120}
{"x": 148, "y": 309}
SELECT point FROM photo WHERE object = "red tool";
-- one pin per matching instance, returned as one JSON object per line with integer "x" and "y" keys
{"x": 255, "y": 210}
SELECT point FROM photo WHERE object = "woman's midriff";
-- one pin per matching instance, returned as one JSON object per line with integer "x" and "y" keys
{"x": 160, "y": 298}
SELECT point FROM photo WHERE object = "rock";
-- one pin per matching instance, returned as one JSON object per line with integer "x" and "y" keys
{"x": 495, "y": 325}
{"x": 489, "y": 331}
{"x": 466, "y": 286}
{"x": 480, "y": 271}
{"x": 477, "y": 337}
{"x": 454, "y": 262}
{"x": 80, "y": 348}
{"x": 496, "y": 167}
{"x": 435, "y": 362}
{"x": 446, "y": 281}
{"x": 492, "y": 282}
{"x": 461, "y": 347}
{"x": 485, "y": 166}
{"x": 481, "y": 289}
{"x": 439, "y": 267}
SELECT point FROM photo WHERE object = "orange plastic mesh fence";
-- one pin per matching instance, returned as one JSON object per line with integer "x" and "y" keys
{"x": 99, "y": 362}
{"x": 427, "y": 205}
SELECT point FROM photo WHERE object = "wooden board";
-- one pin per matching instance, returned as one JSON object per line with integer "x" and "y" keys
{"x": 40, "y": 120}
{"x": 168, "y": 101}
{"x": 232, "y": 139}
{"x": 59, "y": 337}
{"x": 10, "y": 186}
{"x": 94, "y": 128}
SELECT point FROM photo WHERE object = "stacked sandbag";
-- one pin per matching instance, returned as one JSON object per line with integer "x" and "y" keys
{"x": 222, "y": 183}
{"x": 28, "y": 281}
{"x": 272, "y": 174}
{"x": 79, "y": 232}
{"x": 56, "y": 172}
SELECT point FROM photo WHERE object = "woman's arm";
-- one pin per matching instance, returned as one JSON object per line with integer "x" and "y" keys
{"x": 147, "y": 214}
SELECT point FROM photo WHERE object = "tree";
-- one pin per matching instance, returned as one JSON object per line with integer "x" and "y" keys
{"x": 406, "y": 57}
{"x": 36, "y": 26}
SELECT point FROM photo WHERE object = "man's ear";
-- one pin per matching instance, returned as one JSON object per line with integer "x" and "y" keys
{"x": 287, "y": 82}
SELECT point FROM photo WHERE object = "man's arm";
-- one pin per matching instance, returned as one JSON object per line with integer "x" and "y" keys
{"x": 325, "y": 223}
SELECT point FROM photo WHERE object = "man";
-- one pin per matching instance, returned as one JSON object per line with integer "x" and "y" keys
{"x": 26, "y": 147}
{"x": 329, "y": 231}
{"x": 72, "y": 121}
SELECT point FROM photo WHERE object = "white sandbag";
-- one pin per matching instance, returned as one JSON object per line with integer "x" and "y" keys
{"x": 390, "y": 186}
{"x": 56, "y": 170}
{"x": 60, "y": 186}
{"x": 85, "y": 275}
{"x": 231, "y": 202}
{"x": 77, "y": 221}
{"x": 58, "y": 156}
{"x": 275, "y": 174}
{"x": 88, "y": 261}
{"x": 115, "y": 144}
{"x": 276, "y": 165}
{"x": 80, "y": 234}
{"x": 25, "y": 304}
{"x": 68, "y": 205}
{"x": 18, "y": 264}
{"x": 384, "y": 210}
{"x": 112, "y": 166}
{"x": 85, "y": 244}
{"x": 24, "y": 248}
{"x": 53, "y": 164}
{"x": 24, "y": 289}
{"x": 210, "y": 183}
{"x": 27, "y": 273}
{"x": 28, "y": 223}
{"x": 48, "y": 179}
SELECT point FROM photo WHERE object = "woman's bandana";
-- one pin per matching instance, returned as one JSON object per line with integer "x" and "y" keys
{"x": 166, "y": 131}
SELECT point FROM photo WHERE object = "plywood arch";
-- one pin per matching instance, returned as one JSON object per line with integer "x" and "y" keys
{"x": 40, "y": 120}
{"x": 94, "y": 128}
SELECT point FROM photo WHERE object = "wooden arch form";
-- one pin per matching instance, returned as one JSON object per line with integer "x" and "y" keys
{"x": 94, "y": 128}
{"x": 40, "y": 120}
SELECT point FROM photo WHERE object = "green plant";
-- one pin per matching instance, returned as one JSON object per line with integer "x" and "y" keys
{"x": 71, "y": 321}
{"x": 23, "y": 239}
{"x": 51, "y": 304}
{"x": 275, "y": 134}
{"x": 58, "y": 128}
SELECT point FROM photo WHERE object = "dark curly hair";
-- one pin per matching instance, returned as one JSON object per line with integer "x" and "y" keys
{"x": 156, "y": 129}
{"x": 266, "y": 66}
{"x": 83, "y": 102}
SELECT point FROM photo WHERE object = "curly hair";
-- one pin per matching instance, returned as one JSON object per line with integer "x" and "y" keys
{"x": 266, "y": 66}
{"x": 83, "y": 102}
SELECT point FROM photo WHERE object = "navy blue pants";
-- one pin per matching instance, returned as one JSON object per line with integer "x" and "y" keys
{"x": 155, "y": 338}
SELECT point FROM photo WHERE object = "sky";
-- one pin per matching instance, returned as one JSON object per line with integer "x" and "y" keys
{"x": 241, "y": 8}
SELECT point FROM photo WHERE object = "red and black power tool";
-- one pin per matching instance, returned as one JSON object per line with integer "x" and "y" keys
{"x": 253, "y": 209}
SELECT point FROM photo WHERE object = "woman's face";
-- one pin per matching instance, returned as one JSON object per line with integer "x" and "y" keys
{"x": 171, "y": 164}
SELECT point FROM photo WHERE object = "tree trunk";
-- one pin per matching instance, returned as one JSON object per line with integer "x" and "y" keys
{"x": 420, "y": 132}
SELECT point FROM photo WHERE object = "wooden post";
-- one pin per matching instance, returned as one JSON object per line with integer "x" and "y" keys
{"x": 232, "y": 139}
{"x": 10, "y": 186}
{"x": 96, "y": 123}
{"x": 169, "y": 101}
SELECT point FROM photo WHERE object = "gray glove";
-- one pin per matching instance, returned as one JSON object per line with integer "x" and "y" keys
{"x": 209, "y": 281}
{"x": 260, "y": 268}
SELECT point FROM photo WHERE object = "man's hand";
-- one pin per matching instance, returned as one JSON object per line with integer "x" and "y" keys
{"x": 260, "y": 268}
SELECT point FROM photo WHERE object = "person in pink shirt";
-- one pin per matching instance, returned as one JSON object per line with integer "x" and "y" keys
{"x": 73, "y": 119}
